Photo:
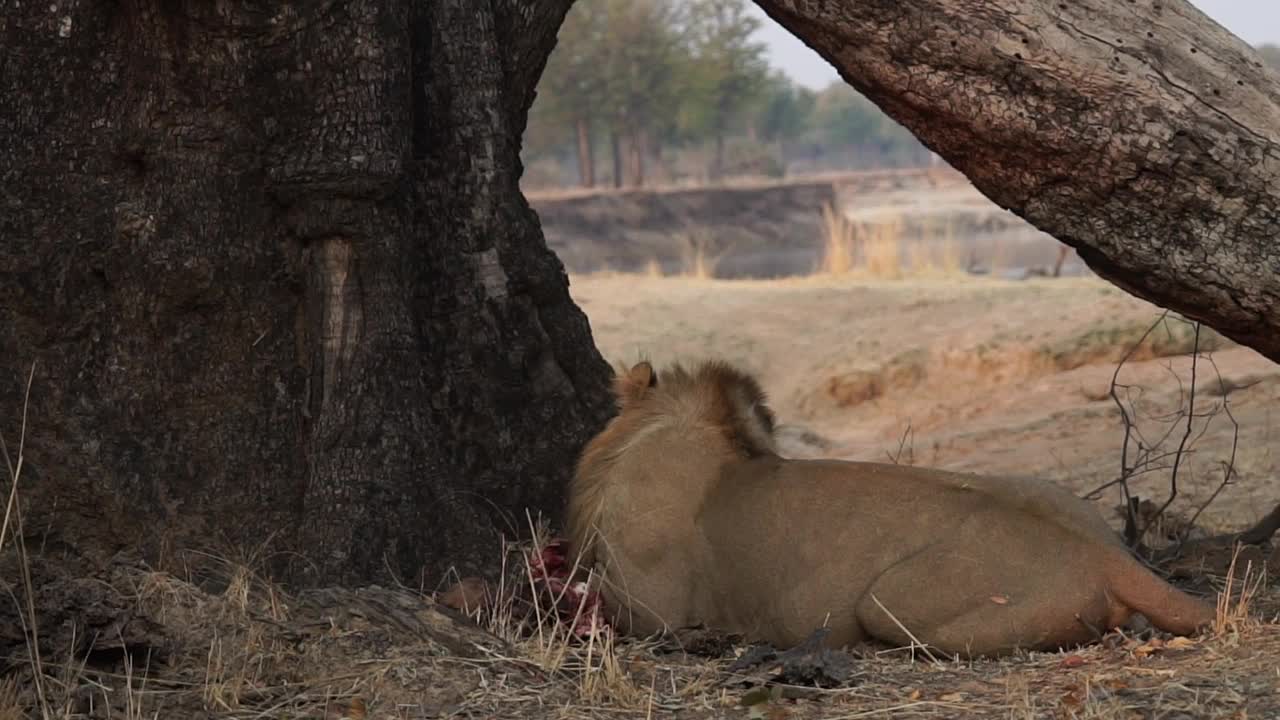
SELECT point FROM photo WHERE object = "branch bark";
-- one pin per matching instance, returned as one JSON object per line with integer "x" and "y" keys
{"x": 1141, "y": 133}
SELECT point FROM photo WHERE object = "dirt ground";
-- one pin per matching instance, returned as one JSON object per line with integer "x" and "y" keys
{"x": 159, "y": 646}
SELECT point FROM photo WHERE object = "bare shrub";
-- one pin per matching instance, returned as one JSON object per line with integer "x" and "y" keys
{"x": 1145, "y": 451}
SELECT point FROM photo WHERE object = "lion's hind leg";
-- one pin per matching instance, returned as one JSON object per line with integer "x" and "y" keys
{"x": 980, "y": 609}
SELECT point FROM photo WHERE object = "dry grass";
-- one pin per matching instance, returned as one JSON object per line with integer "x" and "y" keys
{"x": 527, "y": 618}
{"x": 873, "y": 249}
{"x": 878, "y": 248}
{"x": 1232, "y": 615}
{"x": 937, "y": 255}
{"x": 12, "y": 528}
{"x": 10, "y": 699}
{"x": 253, "y": 651}
{"x": 700, "y": 253}
{"x": 1123, "y": 677}
{"x": 840, "y": 246}
{"x": 882, "y": 246}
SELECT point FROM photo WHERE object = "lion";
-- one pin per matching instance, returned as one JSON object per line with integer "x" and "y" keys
{"x": 690, "y": 517}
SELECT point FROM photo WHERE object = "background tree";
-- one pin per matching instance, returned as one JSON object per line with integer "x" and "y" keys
{"x": 1160, "y": 170}
{"x": 280, "y": 284}
{"x": 642, "y": 77}
{"x": 842, "y": 118}
{"x": 574, "y": 86}
{"x": 641, "y": 91}
{"x": 613, "y": 79}
{"x": 784, "y": 109}
{"x": 727, "y": 72}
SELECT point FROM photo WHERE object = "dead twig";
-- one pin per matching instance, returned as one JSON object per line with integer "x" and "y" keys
{"x": 1142, "y": 453}
{"x": 1228, "y": 467}
{"x": 907, "y": 434}
{"x": 1182, "y": 444}
{"x": 1126, "y": 420}
{"x": 915, "y": 642}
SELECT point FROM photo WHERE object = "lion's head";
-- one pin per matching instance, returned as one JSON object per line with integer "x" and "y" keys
{"x": 724, "y": 407}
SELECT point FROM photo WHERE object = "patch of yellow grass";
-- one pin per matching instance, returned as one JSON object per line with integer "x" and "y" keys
{"x": 878, "y": 249}
{"x": 699, "y": 256}
{"x": 840, "y": 244}
{"x": 883, "y": 248}
{"x": 950, "y": 261}
{"x": 1231, "y": 615}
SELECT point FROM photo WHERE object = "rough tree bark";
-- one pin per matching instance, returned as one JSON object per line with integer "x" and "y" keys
{"x": 1141, "y": 133}
{"x": 280, "y": 283}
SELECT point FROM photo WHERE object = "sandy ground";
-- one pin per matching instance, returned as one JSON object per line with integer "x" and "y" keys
{"x": 966, "y": 373}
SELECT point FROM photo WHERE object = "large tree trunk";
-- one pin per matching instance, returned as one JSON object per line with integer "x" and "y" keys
{"x": 1140, "y": 133}
{"x": 280, "y": 281}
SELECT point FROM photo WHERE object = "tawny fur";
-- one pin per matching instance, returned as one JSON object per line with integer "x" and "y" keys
{"x": 684, "y": 507}
{"x": 730, "y": 402}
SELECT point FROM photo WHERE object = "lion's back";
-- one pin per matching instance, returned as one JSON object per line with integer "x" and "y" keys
{"x": 821, "y": 502}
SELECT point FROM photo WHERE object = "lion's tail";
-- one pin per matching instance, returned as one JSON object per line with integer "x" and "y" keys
{"x": 1167, "y": 607}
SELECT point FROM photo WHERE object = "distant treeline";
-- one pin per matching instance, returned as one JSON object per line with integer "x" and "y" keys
{"x": 639, "y": 91}
{"x": 644, "y": 91}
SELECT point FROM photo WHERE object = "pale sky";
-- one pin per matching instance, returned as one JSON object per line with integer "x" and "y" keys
{"x": 1254, "y": 21}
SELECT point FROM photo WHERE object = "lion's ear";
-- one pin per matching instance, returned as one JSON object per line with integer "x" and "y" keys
{"x": 633, "y": 384}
